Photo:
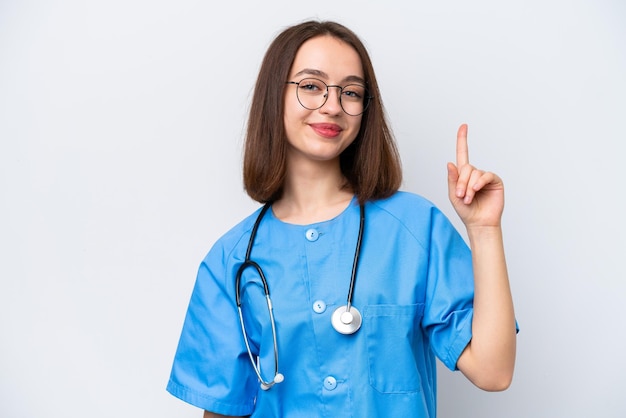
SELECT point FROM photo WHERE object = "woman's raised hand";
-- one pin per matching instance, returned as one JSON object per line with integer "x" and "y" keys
{"x": 476, "y": 195}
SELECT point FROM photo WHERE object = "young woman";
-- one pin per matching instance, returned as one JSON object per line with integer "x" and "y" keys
{"x": 334, "y": 298}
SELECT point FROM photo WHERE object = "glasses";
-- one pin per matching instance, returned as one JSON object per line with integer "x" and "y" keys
{"x": 313, "y": 94}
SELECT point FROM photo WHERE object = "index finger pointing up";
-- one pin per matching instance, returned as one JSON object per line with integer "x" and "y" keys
{"x": 462, "y": 153}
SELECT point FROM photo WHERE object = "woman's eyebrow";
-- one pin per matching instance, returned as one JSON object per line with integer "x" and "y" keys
{"x": 354, "y": 79}
{"x": 310, "y": 71}
{"x": 322, "y": 74}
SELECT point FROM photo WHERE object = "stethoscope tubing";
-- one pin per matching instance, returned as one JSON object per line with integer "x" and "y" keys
{"x": 357, "y": 253}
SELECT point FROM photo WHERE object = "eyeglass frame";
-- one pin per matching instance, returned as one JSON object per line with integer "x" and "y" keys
{"x": 366, "y": 97}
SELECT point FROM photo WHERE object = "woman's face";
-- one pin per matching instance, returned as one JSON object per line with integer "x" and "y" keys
{"x": 322, "y": 134}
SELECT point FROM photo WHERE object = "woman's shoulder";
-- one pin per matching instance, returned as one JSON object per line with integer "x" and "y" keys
{"x": 414, "y": 212}
{"x": 403, "y": 203}
{"x": 234, "y": 237}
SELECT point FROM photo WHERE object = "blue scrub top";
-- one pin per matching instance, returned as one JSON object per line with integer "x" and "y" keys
{"x": 414, "y": 288}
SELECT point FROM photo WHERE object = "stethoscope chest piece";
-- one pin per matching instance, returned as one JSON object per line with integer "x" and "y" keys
{"x": 346, "y": 320}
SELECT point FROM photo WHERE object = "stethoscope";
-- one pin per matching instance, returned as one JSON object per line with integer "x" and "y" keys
{"x": 345, "y": 319}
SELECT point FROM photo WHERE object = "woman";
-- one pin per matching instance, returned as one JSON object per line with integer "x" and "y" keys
{"x": 366, "y": 282}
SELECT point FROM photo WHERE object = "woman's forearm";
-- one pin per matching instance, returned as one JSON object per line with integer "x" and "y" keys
{"x": 489, "y": 359}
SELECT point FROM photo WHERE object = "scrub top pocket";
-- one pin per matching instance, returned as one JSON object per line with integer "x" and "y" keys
{"x": 392, "y": 333}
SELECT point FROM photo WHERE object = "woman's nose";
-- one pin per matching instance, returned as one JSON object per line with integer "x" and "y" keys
{"x": 333, "y": 100}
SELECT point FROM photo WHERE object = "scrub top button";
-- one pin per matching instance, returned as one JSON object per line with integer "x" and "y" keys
{"x": 319, "y": 306}
{"x": 312, "y": 234}
{"x": 330, "y": 383}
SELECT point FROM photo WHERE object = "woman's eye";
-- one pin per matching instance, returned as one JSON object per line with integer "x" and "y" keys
{"x": 353, "y": 93}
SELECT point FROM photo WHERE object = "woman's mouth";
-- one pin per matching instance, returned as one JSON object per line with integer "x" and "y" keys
{"x": 327, "y": 130}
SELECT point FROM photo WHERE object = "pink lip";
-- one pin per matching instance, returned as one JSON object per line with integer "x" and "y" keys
{"x": 327, "y": 130}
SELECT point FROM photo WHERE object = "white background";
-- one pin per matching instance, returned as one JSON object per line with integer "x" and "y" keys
{"x": 121, "y": 126}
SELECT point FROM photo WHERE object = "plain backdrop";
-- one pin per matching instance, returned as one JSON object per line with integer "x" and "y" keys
{"x": 121, "y": 126}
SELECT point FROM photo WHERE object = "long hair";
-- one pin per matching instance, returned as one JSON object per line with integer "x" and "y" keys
{"x": 371, "y": 164}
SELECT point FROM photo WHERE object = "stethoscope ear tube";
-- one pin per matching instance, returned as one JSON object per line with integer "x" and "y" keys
{"x": 278, "y": 377}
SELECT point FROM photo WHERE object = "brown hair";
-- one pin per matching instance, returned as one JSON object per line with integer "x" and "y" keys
{"x": 371, "y": 164}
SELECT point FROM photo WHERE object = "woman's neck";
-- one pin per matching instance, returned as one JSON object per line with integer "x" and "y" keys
{"x": 313, "y": 193}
